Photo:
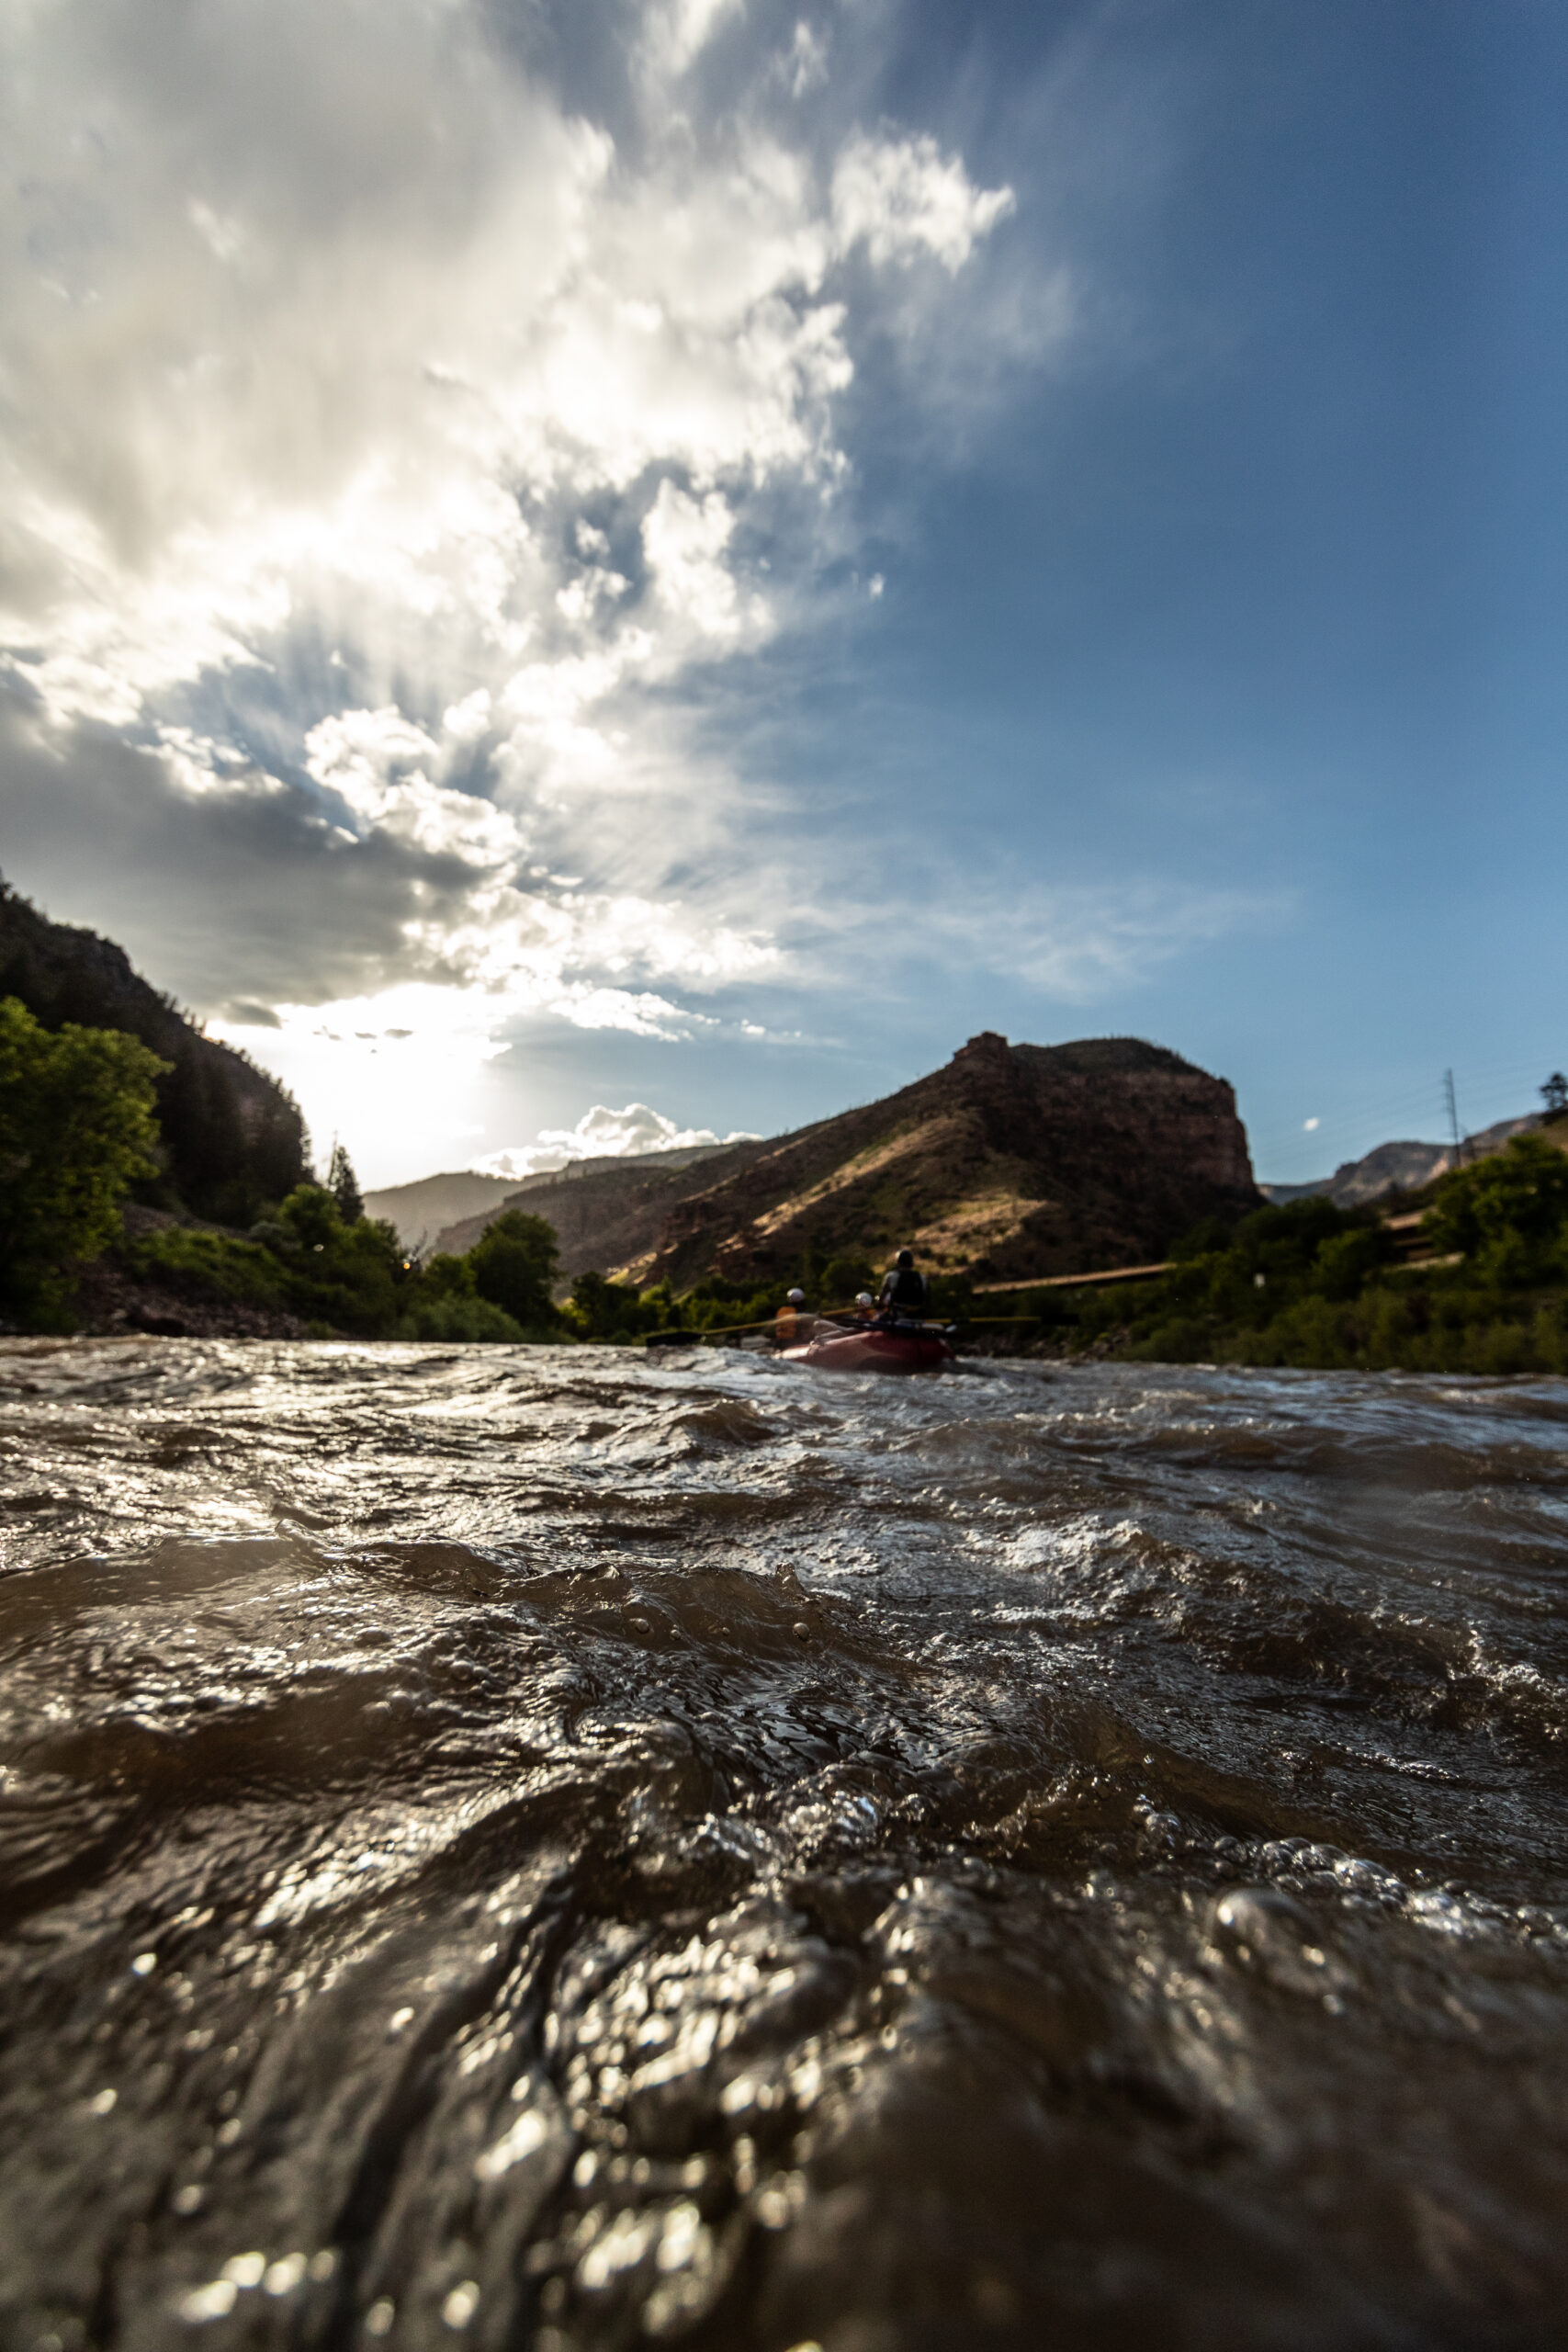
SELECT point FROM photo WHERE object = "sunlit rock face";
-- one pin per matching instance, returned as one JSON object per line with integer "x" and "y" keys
{"x": 1014, "y": 1160}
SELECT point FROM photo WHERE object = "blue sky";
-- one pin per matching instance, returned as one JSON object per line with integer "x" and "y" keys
{"x": 700, "y": 554}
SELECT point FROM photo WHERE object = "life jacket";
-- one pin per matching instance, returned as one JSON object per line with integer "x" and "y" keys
{"x": 904, "y": 1290}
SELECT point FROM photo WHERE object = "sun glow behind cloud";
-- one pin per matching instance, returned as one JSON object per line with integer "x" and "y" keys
{"x": 334, "y": 335}
{"x": 401, "y": 462}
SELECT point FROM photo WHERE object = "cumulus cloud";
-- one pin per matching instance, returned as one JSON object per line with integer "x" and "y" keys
{"x": 601, "y": 1134}
{"x": 389, "y": 447}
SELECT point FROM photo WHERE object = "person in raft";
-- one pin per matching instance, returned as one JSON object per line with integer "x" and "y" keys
{"x": 904, "y": 1292}
{"x": 865, "y": 1306}
{"x": 792, "y": 1324}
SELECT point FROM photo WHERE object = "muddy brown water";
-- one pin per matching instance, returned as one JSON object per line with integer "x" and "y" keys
{"x": 564, "y": 1850}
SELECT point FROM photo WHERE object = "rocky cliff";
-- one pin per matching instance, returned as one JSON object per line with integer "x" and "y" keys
{"x": 1013, "y": 1162}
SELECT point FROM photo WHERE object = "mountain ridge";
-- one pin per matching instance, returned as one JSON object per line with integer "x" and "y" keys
{"x": 1400, "y": 1167}
{"x": 1009, "y": 1160}
{"x": 429, "y": 1212}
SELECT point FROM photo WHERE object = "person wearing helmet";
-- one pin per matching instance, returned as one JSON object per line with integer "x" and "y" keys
{"x": 792, "y": 1325}
{"x": 904, "y": 1288}
{"x": 865, "y": 1306}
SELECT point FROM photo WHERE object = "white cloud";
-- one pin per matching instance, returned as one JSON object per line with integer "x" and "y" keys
{"x": 904, "y": 196}
{"x": 600, "y": 1133}
{"x": 1073, "y": 942}
{"x": 806, "y": 65}
{"x": 364, "y": 384}
{"x": 679, "y": 29}
{"x": 380, "y": 765}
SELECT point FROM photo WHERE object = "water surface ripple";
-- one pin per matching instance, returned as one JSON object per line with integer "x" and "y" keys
{"x": 552, "y": 1848}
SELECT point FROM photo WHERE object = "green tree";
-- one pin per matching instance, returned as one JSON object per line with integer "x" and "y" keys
{"x": 344, "y": 1186}
{"x": 1508, "y": 1213}
{"x": 349, "y": 1277}
{"x": 76, "y": 1131}
{"x": 514, "y": 1263}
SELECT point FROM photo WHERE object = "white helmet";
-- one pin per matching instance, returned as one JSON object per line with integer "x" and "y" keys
{"x": 864, "y": 1298}
{"x": 797, "y": 1298}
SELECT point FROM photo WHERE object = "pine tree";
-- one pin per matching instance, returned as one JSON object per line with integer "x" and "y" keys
{"x": 344, "y": 1186}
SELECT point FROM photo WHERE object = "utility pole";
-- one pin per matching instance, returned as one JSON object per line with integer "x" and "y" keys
{"x": 1453, "y": 1118}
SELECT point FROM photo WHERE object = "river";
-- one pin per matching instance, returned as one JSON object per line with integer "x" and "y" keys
{"x": 569, "y": 1849}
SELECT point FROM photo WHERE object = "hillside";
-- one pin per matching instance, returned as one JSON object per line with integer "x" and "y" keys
{"x": 610, "y": 1213}
{"x": 233, "y": 1138}
{"x": 1014, "y": 1160}
{"x": 1398, "y": 1167}
{"x": 419, "y": 1211}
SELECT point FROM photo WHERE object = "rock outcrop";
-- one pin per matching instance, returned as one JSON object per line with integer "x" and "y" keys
{"x": 1011, "y": 1162}
{"x": 1014, "y": 1161}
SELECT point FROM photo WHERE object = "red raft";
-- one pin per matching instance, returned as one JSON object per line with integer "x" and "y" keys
{"x": 900, "y": 1347}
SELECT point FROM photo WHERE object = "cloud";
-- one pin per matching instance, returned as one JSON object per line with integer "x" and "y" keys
{"x": 393, "y": 452}
{"x": 904, "y": 198}
{"x": 600, "y": 1133}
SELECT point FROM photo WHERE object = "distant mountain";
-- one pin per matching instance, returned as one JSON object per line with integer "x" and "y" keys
{"x": 419, "y": 1211}
{"x": 608, "y": 1212}
{"x": 1397, "y": 1167}
{"x": 451, "y": 1211}
{"x": 233, "y": 1138}
{"x": 1013, "y": 1162}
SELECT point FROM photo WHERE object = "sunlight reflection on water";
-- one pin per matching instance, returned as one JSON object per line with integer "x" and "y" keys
{"x": 556, "y": 1847}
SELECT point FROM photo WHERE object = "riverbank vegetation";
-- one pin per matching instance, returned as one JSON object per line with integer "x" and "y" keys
{"x": 1472, "y": 1278}
{"x": 1309, "y": 1284}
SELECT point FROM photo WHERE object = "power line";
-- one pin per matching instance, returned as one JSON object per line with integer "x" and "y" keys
{"x": 1489, "y": 1079}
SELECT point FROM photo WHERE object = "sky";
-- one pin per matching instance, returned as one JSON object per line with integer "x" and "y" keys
{"x": 638, "y": 570}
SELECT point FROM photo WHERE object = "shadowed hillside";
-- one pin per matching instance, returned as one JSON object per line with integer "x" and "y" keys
{"x": 233, "y": 1138}
{"x": 610, "y": 1212}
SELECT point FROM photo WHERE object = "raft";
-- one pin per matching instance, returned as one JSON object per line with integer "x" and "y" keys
{"x": 899, "y": 1347}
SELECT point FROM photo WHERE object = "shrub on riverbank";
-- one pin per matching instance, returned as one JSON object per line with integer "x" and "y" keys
{"x": 1312, "y": 1286}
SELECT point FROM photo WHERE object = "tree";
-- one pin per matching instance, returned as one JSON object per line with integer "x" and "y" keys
{"x": 1508, "y": 1213}
{"x": 76, "y": 1131}
{"x": 344, "y": 1186}
{"x": 515, "y": 1263}
{"x": 1555, "y": 1094}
